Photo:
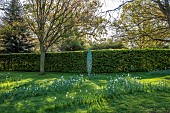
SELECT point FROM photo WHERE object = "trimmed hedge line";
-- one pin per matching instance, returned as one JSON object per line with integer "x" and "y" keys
{"x": 104, "y": 61}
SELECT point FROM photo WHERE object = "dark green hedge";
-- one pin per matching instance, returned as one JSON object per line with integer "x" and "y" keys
{"x": 104, "y": 61}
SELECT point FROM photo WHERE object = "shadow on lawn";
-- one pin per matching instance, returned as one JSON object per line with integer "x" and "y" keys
{"x": 150, "y": 75}
{"x": 47, "y": 103}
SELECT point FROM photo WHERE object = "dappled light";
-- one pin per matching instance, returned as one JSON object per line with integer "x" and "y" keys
{"x": 80, "y": 93}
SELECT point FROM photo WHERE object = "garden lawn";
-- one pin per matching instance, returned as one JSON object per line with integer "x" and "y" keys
{"x": 138, "y": 92}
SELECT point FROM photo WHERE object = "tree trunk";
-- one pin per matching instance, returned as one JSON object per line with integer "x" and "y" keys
{"x": 42, "y": 59}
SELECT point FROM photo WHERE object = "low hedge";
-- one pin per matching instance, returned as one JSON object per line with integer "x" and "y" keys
{"x": 104, "y": 61}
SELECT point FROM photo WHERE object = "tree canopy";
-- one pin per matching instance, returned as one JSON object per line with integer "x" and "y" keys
{"x": 54, "y": 20}
{"x": 142, "y": 23}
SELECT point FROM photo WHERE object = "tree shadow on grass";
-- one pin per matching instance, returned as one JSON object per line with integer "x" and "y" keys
{"x": 17, "y": 104}
{"x": 152, "y": 74}
{"x": 47, "y": 103}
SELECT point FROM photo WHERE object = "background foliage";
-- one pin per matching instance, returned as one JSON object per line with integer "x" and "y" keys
{"x": 108, "y": 44}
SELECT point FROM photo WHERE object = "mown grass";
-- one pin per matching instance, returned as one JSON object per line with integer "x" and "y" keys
{"x": 28, "y": 92}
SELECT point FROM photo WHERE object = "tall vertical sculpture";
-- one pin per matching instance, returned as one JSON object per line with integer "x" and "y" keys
{"x": 89, "y": 62}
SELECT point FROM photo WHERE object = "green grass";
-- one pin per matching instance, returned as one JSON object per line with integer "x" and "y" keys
{"x": 29, "y": 92}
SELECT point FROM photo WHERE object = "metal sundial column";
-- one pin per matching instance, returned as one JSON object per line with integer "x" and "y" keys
{"x": 89, "y": 62}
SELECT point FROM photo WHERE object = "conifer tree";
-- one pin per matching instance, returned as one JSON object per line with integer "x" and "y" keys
{"x": 14, "y": 34}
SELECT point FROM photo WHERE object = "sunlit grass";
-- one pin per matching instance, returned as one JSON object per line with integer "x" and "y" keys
{"x": 68, "y": 92}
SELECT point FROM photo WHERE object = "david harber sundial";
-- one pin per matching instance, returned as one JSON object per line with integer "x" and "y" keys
{"x": 89, "y": 62}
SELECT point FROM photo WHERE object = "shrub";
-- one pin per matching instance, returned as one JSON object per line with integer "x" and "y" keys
{"x": 104, "y": 61}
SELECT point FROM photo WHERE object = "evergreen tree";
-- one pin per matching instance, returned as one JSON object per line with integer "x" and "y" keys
{"x": 14, "y": 34}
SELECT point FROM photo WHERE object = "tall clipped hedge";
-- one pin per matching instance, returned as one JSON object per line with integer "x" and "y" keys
{"x": 104, "y": 61}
